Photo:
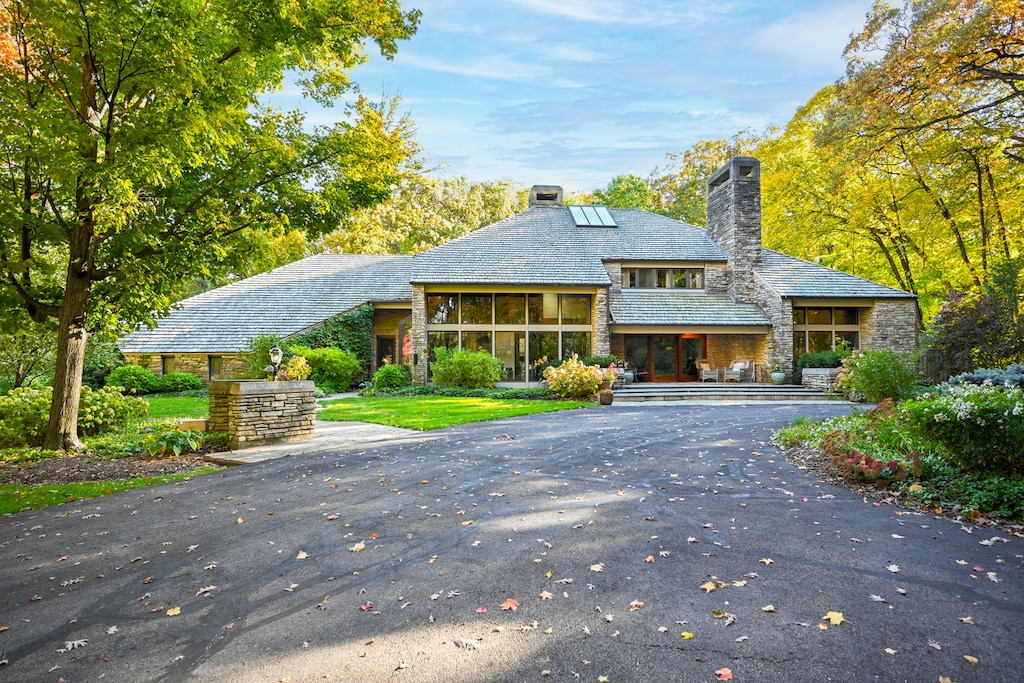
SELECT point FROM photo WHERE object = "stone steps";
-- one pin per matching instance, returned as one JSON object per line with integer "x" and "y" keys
{"x": 708, "y": 391}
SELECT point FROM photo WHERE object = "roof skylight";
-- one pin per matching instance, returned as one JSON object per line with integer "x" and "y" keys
{"x": 592, "y": 217}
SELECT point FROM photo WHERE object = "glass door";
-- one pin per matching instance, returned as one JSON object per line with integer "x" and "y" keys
{"x": 692, "y": 349}
{"x": 664, "y": 358}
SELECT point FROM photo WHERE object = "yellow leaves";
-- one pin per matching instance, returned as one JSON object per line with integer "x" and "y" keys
{"x": 686, "y": 635}
{"x": 302, "y": 555}
{"x": 240, "y": 520}
{"x": 173, "y": 612}
{"x": 915, "y": 487}
{"x": 712, "y": 585}
{"x": 834, "y": 618}
{"x": 970, "y": 659}
{"x": 358, "y": 547}
{"x": 468, "y": 522}
{"x": 599, "y": 567}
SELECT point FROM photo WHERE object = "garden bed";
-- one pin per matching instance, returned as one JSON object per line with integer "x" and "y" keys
{"x": 90, "y": 467}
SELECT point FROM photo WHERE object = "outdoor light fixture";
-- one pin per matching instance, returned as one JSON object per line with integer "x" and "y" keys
{"x": 276, "y": 354}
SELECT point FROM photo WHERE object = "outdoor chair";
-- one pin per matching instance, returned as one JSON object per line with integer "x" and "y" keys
{"x": 707, "y": 372}
{"x": 738, "y": 371}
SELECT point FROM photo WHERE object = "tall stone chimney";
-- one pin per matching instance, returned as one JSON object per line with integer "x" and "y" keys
{"x": 545, "y": 195}
{"x": 734, "y": 221}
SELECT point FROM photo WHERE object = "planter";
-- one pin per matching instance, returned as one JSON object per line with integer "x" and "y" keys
{"x": 606, "y": 384}
{"x": 820, "y": 378}
{"x": 257, "y": 412}
{"x": 605, "y": 398}
{"x": 778, "y": 378}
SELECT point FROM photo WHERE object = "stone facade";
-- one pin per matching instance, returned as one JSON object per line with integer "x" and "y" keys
{"x": 734, "y": 221}
{"x": 780, "y": 340}
{"x": 600, "y": 344}
{"x": 256, "y": 412}
{"x": 723, "y": 349}
{"x": 198, "y": 364}
{"x": 890, "y": 325}
{"x": 418, "y": 334}
{"x": 823, "y": 379}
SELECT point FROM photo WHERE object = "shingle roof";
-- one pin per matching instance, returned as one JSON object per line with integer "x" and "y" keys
{"x": 645, "y": 307}
{"x": 543, "y": 246}
{"x": 789, "y": 276}
{"x": 283, "y": 301}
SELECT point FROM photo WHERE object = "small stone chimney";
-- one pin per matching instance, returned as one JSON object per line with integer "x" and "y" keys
{"x": 545, "y": 195}
{"x": 734, "y": 221}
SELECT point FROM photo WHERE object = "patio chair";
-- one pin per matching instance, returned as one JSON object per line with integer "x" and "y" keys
{"x": 738, "y": 371}
{"x": 707, "y": 372}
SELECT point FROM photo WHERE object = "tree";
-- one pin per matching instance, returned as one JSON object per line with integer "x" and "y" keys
{"x": 626, "y": 192}
{"x": 135, "y": 152}
{"x": 423, "y": 212}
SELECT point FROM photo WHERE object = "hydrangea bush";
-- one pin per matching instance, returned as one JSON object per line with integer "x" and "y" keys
{"x": 574, "y": 379}
{"x": 24, "y": 413}
{"x": 874, "y": 376}
{"x": 981, "y": 426}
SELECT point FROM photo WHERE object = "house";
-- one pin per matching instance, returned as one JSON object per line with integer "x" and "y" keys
{"x": 556, "y": 280}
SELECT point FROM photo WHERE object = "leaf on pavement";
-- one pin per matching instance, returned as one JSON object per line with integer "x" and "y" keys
{"x": 834, "y": 618}
{"x": 724, "y": 674}
{"x": 768, "y": 608}
{"x": 686, "y": 635}
{"x": 766, "y": 560}
{"x": 967, "y": 620}
{"x": 358, "y": 547}
{"x": 970, "y": 659}
{"x": 544, "y": 595}
{"x": 599, "y": 567}
{"x": 302, "y": 555}
{"x": 894, "y": 568}
{"x": 174, "y": 611}
{"x": 481, "y": 610}
{"x": 635, "y": 605}
{"x": 510, "y": 604}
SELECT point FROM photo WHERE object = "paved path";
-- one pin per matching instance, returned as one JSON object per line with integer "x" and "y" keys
{"x": 614, "y": 531}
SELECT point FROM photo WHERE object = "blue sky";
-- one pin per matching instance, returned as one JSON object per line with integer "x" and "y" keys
{"x": 574, "y": 92}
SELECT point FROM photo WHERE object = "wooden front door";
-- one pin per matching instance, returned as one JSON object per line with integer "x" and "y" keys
{"x": 666, "y": 357}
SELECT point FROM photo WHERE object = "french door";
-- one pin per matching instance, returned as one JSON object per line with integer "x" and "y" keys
{"x": 666, "y": 357}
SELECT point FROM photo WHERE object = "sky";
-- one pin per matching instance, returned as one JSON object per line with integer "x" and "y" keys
{"x": 575, "y": 92}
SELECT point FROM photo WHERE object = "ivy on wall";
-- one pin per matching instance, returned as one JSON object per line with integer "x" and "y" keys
{"x": 352, "y": 331}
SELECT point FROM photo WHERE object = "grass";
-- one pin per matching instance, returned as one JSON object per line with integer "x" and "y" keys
{"x": 177, "y": 407}
{"x": 435, "y": 412}
{"x": 17, "y": 498}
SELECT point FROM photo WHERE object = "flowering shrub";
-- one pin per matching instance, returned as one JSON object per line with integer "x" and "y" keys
{"x": 981, "y": 426}
{"x": 573, "y": 379}
{"x": 873, "y": 376}
{"x": 24, "y": 413}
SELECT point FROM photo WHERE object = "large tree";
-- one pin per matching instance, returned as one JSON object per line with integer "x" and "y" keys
{"x": 135, "y": 151}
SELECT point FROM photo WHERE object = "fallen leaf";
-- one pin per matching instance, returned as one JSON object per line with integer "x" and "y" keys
{"x": 302, "y": 555}
{"x": 894, "y": 568}
{"x": 686, "y": 635}
{"x": 970, "y": 659}
{"x": 992, "y": 577}
{"x": 768, "y": 608}
{"x": 241, "y": 520}
{"x": 358, "y": 547}
{"x": 544, "y": 595}
{"x": 724, "y": 674}
{"x": 709, "y": 586}
{"x": 366, "y": 607}
{"x": 967, "y": 620}
{"x": 934, "y": 644}
{"x": 481, "y": 610}
{"x": 649, "y": 559}
{"x": 691, "y": 539}
{"x": 890, "y": 651}
{"x": 466, "y": 644}
{"x": 468, "y": 522}
{"x": 662, "y": 629}
{"x": 174, "y": 611}
{"x": 742, "y": 639}
{"x": 834, "y": 618}
{"x": 878, "y": 598}
{"x": 766, "y": 560}
{"x": 110, "y": 631}
{"x": 510, "y": 604}
{"x": 635, "y": 605}
{"x": 73, "y": 644}
{"x": 599, "y": 567}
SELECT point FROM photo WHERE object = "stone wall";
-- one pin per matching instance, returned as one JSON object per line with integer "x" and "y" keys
{"x": 418, "y": 334}
{"x": 780, "y": 339}
{"x": 601, "y": 344}
{"x": 723, "y": 349}
{"x": 198, "y": 364}
{"x": 734, "y": 221}
{"x": 820, "y": 378}
{"x": 889, "y": 325}
{"x": 255, "y": 412}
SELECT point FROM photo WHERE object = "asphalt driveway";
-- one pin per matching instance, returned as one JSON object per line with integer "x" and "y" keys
{"x": 570, "y": 546}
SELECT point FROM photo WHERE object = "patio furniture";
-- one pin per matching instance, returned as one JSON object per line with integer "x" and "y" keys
{"x": 738, "y": 371}
{"x": 707, "y": 372}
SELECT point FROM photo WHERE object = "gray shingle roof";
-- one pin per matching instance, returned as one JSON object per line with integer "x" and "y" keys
{"x": 789, "y": 276}
{"x": 543, "y": 246}
{"x": 644, "y": 307}
{"x": 283, "y": 301}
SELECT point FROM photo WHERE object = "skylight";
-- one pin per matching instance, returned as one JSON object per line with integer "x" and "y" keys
{"x": 592, "y": 217}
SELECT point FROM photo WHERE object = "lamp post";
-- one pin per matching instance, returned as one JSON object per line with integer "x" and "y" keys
{"x": 276, "y": 354}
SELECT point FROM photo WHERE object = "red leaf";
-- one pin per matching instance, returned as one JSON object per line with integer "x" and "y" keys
{"x": 367, "y": 607}
{"x": 724, "y": 674}
{"x": 481, "y": 610}
{"x": 510, "y": 604}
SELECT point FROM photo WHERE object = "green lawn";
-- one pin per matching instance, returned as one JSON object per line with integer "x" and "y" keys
{"x": 176, "y": 407}
{"x": 15, "y": 498}
{"x": 435, "y": 412}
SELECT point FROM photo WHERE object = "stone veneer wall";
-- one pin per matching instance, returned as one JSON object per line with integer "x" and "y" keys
{"x": 418, "y": 334}
{"x": 723, "y": 349}
{"x": 780, "y": 338}
{"x": 734, "y": 221}
{"x": 198, "y": 364}
{"x": 820, "y": 378}
{"x": 599, "y": 326}
{"x": 255, "y": 412}
{"x": 889, "y": 325}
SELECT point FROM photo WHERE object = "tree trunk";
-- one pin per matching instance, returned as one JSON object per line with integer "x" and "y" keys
{"x": 62, "y": 431}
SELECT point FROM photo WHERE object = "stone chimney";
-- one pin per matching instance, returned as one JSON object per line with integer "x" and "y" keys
{"x": 545, "y": 195}
{"x": 734, "y": 221}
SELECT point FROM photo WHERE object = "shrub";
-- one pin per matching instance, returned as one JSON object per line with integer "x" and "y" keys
{"x": 467, "y": 369}
{"x": 603, "y": 361}
{"x": 1011, "y": 376}
{"x": 573, "y": 379}
{"x": 873, "y": 376}
{"x": 330, "y": 369}
{"x": 24, "y": 413}
{"x": 134, "y": 379}
{"x": 391, "y": 376}
{"x": 102, "y": 357}
{"x": 257, "y": 353}
{"x": 179, "y": 381}
{"x": 433, "y": 390}
{"x": 981, "y": 427}
{"x": 174, "y": 440}
{"x": 297, "y": 369}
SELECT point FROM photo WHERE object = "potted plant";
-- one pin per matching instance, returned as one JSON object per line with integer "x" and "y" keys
{"x": 778, "y": 376}
{"x": 605, "y": 396}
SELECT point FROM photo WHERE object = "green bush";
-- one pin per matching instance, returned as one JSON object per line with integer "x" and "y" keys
{"x": 134, "y": 379}
{"x": 102, "y": 357}
{"x": 24, "y": 413}
{"x": 574, "y": 379}
{"x": 468, "y": 369}
{"x": 296, "y": 370}
{"x": 874, "y": 376}
{"x": 257, "y": 352}
{"x": 980, "y": 427}
{"x": 330, "y": 369}
{"x": 174, "y": 440}
{"x": 179, "y": 381}
{"x": 603, "y": 361}
{"x": 391, "y": 376}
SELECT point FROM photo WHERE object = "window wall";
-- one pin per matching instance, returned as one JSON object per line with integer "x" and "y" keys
{"x": 518, "y": 329}
{"x": 824, "y": 328}
{"x": 663, "y": 278}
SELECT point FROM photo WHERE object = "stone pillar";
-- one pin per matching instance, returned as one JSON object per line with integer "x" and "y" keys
{"x": 734, "y": 221}
{"x": 418, "y": 335}
{"x": 256, "y": 412}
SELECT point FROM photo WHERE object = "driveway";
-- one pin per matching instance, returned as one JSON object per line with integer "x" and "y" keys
{"x": 610, "y": 531}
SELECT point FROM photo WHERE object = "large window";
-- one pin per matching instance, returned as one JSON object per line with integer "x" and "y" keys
{"x": 823, "y": 329}
{"x": 519, "y": 329}
{"x": 663, "y": 278}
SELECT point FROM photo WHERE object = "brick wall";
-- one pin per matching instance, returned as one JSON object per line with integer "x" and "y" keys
{"x": 256, "y": 412}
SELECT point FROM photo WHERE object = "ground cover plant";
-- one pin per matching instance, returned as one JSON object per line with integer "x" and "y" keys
{"x": 435, "y": 412}
{"x": 958, "y": 449}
